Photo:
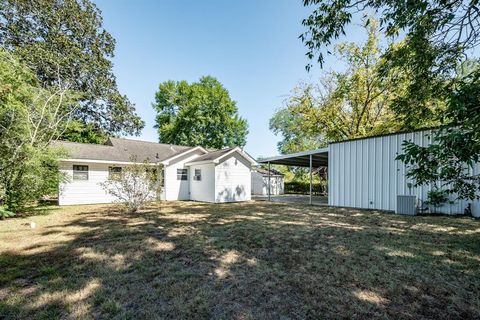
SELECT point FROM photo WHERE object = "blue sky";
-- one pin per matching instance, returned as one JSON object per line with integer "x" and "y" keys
{"x": 252, "y": 47}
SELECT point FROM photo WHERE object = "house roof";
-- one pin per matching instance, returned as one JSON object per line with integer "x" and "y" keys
{"x": 215, "y": 156}
{"x": 122, "y": 150}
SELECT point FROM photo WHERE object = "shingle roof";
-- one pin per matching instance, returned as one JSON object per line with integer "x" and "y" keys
{"x": 119, "y": 149}
{"x": 213, "y": 155}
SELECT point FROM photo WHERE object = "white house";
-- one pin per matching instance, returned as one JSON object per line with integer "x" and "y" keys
{"x": 189, "y": 173}
{"x": 260, "y": 182}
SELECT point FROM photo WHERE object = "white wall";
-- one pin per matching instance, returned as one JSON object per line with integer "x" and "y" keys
{"x": 178, "y": 189}
{"x": 203, "y": 190}
{"x": 84, "y": 192}
{"x": 260, "y": 184}
{"x": 233, "y": 179}
{"x": 364, "y": 174}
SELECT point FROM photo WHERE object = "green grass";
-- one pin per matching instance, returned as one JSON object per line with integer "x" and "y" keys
{"x": 242, "y": 261}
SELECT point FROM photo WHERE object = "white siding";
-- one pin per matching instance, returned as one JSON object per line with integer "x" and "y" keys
{"x": 364, "y": 174}
{"x": 233, "y": 179}
{"x": 178, "y": 189}
{"x": 203, "y": 190}
{"x": 90, "y": 191}
{"x": 84, "y": 192}
{"x": 260, "y": 184}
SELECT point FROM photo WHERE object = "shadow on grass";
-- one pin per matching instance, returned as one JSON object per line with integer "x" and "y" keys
{"x": 251, "y": 260}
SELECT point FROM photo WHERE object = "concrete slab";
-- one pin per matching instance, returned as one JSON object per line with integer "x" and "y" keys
{"x": 293, "y": 198}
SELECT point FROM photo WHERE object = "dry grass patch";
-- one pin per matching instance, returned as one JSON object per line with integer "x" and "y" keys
{"x": 244, "y": 261}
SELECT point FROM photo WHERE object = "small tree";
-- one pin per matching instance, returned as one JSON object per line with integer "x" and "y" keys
{"x": 135, "y": 185}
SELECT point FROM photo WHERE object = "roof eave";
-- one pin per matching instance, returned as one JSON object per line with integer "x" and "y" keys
{"x": 167, "y": 161}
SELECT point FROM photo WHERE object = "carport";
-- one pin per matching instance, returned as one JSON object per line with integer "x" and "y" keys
{"x": 308, "y": 159}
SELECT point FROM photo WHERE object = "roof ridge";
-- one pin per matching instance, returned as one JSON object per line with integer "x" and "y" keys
{"x": 157, "y": 143}
{"x": 86, "y": 143}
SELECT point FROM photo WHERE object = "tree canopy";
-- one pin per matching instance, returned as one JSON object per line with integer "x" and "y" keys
{"x": 438, "y": 36}
{"x": 199, "y": 113}
{"x": 66, "y": 40}
{"x": 343, "y": 104}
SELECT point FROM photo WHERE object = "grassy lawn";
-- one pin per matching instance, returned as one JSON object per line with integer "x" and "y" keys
{"x": 242, "y": 261}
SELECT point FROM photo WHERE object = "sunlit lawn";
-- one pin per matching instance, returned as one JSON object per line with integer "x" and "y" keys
{"x": 241, "y": 261}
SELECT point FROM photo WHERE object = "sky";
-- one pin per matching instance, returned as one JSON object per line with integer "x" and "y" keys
{"x": 251, "y": 47}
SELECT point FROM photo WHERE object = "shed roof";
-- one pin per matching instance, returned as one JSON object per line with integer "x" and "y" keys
{"x": 301, "y": 159}
{"x": 273, "y": 172}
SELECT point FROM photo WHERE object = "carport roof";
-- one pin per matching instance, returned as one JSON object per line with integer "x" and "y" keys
{"x": 301, "y": 159}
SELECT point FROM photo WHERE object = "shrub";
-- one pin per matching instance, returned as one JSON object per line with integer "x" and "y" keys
{"x": 302, "y": 187}
{"x": 134, "y": 186}
{"x": 6, "y": 214}
{"x": 436, "y": 198}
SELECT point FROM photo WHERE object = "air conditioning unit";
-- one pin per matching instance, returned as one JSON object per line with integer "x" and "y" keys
{"x": 406, "y": 205}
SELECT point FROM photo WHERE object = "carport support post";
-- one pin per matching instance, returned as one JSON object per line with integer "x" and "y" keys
{"x": 310, "y": 201}
{"x": 269, "y": 181}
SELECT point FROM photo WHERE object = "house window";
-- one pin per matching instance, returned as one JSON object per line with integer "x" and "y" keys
{"x": 198, "y": 175}
{"x": 80, "y": 172}
{"x": 114, "y": 172}
{"x": 182, "y": 174}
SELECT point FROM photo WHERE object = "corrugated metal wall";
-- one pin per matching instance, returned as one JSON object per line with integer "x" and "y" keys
{"x": 364, "y": 174}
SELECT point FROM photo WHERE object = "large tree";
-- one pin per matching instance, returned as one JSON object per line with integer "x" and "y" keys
{"x": 65, "y": 40}
{"x": 31, "y": 118}
{"x": 438, "y": 36}
{"x": 342, "y": 105}
{"x": 199, "y": 113}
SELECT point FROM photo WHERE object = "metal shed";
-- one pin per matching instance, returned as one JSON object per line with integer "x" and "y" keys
{"x": 364, "y": 173}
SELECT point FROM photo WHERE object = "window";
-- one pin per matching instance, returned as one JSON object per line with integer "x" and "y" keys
{"x": 198, "y": 175}
{"x": 114, "y": 172}
{"x": 182, "y": 174}
{"x": 80, "y": 172}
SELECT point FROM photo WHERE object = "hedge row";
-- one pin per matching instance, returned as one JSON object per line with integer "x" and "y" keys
{"x": 298, "y": 187}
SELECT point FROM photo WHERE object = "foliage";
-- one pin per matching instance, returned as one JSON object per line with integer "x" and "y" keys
{"x": 436, "y": 31}
{"x": 135, "y": 186}
{"x": 79, "y": 131}
{"x": 201, "y": 113}
{"x": 438, "y": 36}
{"x": 65, "y": 39}
{"x": 455, "y": 149}
{"x": 436, "y": 197}
{"x": 31, "y": 118}
{"x": 303, "y": 187}
{"x": 343, "y": 105}
{"x": 6, "y": 214}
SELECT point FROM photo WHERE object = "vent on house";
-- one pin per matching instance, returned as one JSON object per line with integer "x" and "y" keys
{"x": 406, "y": 205}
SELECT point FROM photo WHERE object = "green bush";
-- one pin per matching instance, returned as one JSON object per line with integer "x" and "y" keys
{"x": 437, "y": 198}
{"x": 6, "y": 214}
{"x": 301, "y": 187}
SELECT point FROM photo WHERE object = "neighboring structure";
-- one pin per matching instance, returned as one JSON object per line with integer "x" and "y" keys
{"x": 260, "y": 182}
{"x": 364, "y": 173}
{"x": 188, "y": 173}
